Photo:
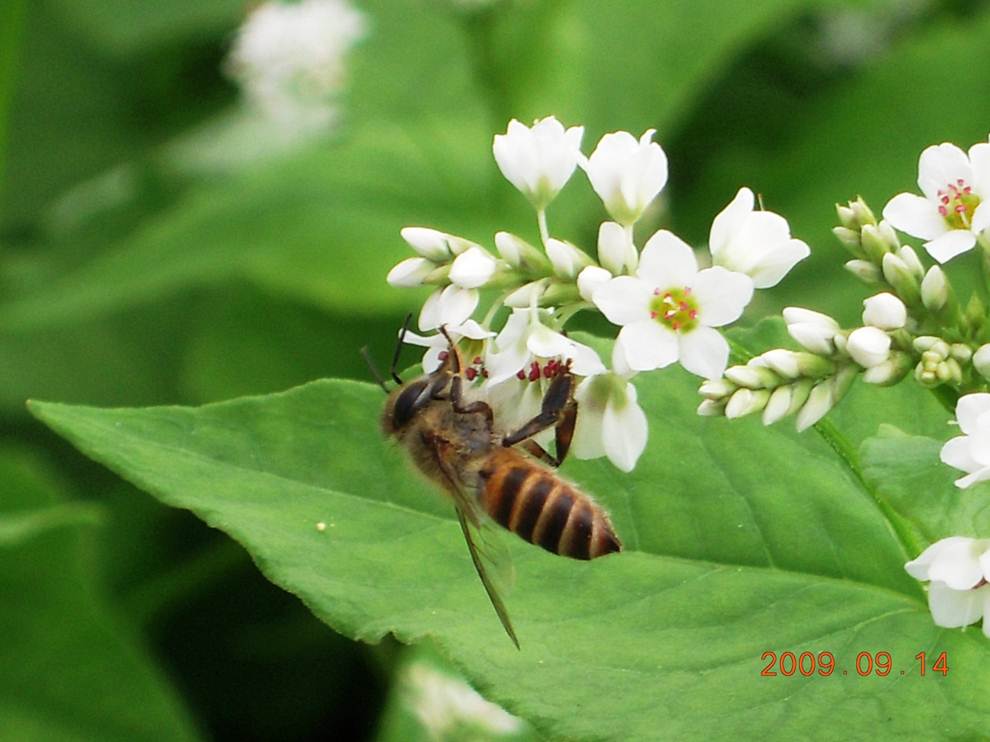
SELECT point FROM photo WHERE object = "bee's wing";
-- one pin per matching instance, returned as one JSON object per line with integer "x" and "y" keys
{"x": 484, "y": 550}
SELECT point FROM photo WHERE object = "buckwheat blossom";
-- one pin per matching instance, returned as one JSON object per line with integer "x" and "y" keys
{"x": 813, "y": 330}
{"x": 451, "y": 305}
{"x": 955, "y": 207}
{"x": 868, "y": 346}
{"x": 885, "y": 311}
{"x": 610, "y": 422}
{"x": 668, "y": 310}
{"x": 957, "y": 569}
{"x": 436, "y": 345}
{"x": 443, "y": 704}
{"x": 289, "y": 59}
{"x": 627, "y": 174}
{"x": 526, "y": 339}
{"x": 970, "y": 451}
{"x": 538, "y": 160}
{"x": 757, "y": 243}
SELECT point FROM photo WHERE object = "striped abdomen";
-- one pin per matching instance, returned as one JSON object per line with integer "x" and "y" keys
{"x": 534, "y": 503}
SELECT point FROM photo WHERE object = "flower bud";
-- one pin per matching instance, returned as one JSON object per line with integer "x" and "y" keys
{"x": 961, "y": 352}
{"x": 885, "y": 311}
{"x": 981, "y": 361}
{"x": 868, "y": 346}
{"x": 559, "y": 293}
{"x": 778, "y": 405}
{"x": 590, "y": 279}
{"x": 784, "y": 362}
{"x": 934, "y": 289}
{"x": 816, "y": 407}
{"x": 711, "y": 408}
{"x": 520, "y": 254}
{"x": 875, "y": 244}
{"x": 847, "y": 218}
{"x": 540, "y": 159}
{"x": 528, "y": 294}
{"x": 615, "y": 249}
{"x": 472, "y": 268}
{"x": 910, "y": 258}
{"x": 746, "y": 401}
{"x": 900, "y": 276}
{"x": 850, "y": 240}
{"x": 627, "y": 174}
{"x": 865, "y": 271}
{"x": 752, "y": 377}
{"x": 949, "y": 371}
{"x": 566, "y": 260}
{"x": 429, "y": 243}
{"x": 861, "y": 212}
{"x": 891, "y": 371}
{"x": 717, "y": 388}
{"x": 813, "y": 330}
{"x": 410, "y": 272}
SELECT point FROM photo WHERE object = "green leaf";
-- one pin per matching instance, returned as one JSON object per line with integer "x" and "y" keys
{"x": 68, "y": 669}
{"x": 906, "y": 470}
{"x": 739, "y": 540}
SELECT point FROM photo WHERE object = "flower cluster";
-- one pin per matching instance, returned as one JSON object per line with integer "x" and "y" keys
{"x": 667, "y": 305}
{"x": 913, "y": 326}
{"x": 289, "y": 60}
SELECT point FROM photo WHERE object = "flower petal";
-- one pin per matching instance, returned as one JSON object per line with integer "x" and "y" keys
{"x": 952, "y": 243}
{"x": 979, "y": 158}
{"x": 667, "y": 261}
{"x": 915, "y": 215}
{"x": 722, "y": 295}
{"x": 975, "y": 478}
{"x": 969, "y": 409}
{"x": 625, "y": 430}
{"x": 953, "y": 609}
{"x": 778, "y": 262}
{"x": 704, "y": 352}
{"x": 729, "y": 220}
{"x": 472, "y": 268}
{"x": 940, "y": 165}
{"x": 647, "y": 345}
{"x": 981, "y": 217}
{"x": 624, "y": 300}
{"x": 956, "y": 563}
{"x": 956, "y": 454}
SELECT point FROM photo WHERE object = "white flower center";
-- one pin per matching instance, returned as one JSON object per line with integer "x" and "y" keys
{"x": 957, "y": 202}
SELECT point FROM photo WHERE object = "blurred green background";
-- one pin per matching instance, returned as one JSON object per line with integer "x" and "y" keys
{"x": 152, "y": 252}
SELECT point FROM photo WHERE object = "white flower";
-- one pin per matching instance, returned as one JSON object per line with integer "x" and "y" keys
{"x": 958, "y": 568}
{"x": 538, "y": 160}
{"x": 757, "y": 243}
{"x": 437, "y": 344}
{"x": 525, "y": 339}
{"x": 956, "y": 206}
{"x": 429, "y": 243}
{"x": 627, "y": 174}
{"x": 448, "y": 707}
{"x": 885, "y": 311}
{"x": 868, "y": 346}
{"x": 410, "y": 272}
{"x": 970, "y": 452}
{"x": 472, "y": 268}
{"x": 289, "y": 59}
{"x": 981, "y": 360}
{"x": 616, "y": 250}
{"x": 813, "y": 330}
{"x": 610, "y": 421}
{"x": 669, "y": 308}
{"x": 566, "y": 259}
{"x": 447, "y": 306}
{"x": 590, "y": 279}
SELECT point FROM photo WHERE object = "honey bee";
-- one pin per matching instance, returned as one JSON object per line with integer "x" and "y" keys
{"x": 490, "y": 475}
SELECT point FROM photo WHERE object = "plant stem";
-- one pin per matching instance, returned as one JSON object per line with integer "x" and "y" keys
{"x": 541, "y": 219}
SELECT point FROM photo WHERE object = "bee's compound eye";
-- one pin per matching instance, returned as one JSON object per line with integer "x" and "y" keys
{"x": 405, "y": 404}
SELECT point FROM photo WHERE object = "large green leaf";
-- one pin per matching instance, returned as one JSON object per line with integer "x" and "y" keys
{"x": 68, "y": 669}
{"x": 907, "y": 472}
{"x": 739, "y": 540}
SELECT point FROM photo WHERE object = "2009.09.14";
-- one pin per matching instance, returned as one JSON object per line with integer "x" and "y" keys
{"x": 867, "y": 664}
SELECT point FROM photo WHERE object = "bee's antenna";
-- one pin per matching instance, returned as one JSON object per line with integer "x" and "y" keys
{"x": 455, "y": 358}
{"x": 398, "y": 351}
{"x": 373, "y": 368}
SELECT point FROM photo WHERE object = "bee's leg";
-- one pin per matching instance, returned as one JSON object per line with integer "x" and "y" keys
{"x": 456, "y": 393}
{"x": 537, "y": 451}
{"x": 558, "y": 410}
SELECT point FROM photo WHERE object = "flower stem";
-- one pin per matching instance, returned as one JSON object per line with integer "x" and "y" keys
{"x": 541, "y": 219}
{"x": 496, "y": 305}
{"x": 565, "y": 314}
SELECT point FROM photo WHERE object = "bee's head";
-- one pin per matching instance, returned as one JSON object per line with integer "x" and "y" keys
{"x": 403, "y": 404}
